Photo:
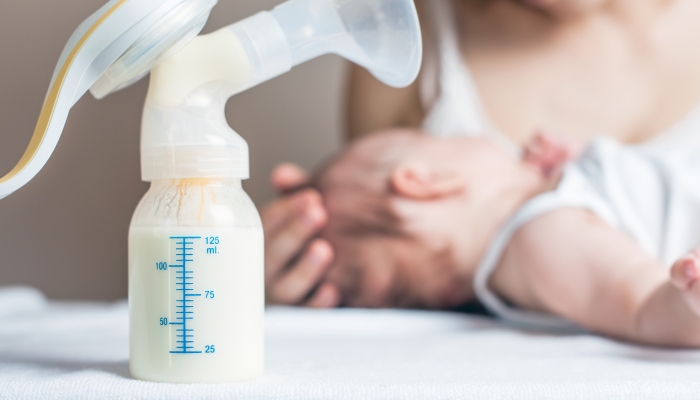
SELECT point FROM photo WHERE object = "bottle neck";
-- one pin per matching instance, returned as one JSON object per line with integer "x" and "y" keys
{"x": 201, "y": 182}
{"x": 184, "y": 133}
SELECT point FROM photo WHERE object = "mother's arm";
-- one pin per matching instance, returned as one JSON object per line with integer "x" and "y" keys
{"x": 373, "y": 106}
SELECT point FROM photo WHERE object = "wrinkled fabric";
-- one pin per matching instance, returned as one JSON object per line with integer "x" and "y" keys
{"x": 53, "y": 350}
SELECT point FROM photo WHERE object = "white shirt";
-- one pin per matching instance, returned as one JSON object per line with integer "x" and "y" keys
{"x": 652, "y": 197}
{"x": 455, "y": 107}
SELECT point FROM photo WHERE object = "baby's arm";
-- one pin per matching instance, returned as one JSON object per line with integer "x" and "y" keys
{"x": 573, "y": 264}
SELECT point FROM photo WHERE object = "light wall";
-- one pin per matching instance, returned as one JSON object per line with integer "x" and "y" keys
{"x": 66, "y": 231}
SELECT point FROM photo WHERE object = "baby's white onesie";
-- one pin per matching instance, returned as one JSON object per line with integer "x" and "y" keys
{"x": 653, "y": 198}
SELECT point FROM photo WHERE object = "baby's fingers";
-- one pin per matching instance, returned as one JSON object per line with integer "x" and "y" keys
{"x": 686, "y": 271}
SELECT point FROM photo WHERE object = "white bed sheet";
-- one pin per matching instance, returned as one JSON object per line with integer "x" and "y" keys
{"x": 51, "y": 350}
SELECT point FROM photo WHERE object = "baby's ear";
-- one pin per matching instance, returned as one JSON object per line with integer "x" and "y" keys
{"x": 421, "y": 182}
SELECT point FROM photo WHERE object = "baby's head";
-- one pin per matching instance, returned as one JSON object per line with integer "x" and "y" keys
{"x": 410, "y": 216}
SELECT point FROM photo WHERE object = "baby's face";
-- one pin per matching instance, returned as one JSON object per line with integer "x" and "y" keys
{"x": 404, "y": 246}
{"x": 396, "y": 272}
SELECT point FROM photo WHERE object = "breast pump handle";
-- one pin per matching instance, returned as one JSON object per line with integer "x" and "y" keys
{"x": 380, "y": 35}
{"x": 95, "y": 45}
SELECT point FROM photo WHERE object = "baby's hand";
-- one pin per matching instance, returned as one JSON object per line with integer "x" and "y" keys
{"x": 549, "y": 153}
{"x": 685, "y": 274}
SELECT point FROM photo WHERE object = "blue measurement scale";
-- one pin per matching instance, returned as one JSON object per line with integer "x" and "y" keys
{"x": 185, "y": 307}
{"x": 181, "y": 330}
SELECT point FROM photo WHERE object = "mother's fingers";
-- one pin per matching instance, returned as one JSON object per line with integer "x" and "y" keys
{"x": 289, "y": 176}
{"x": 296, "y": 283}
{"x": 278, "y": 214}
{"x": 288, "y": 240}
{"x": 326, "y": 296}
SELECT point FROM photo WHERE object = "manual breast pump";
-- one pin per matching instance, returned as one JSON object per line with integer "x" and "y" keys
{"x": 196, "y": 289}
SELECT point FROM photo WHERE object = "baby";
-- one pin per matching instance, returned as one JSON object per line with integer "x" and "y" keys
{"x": 545, "y": 241}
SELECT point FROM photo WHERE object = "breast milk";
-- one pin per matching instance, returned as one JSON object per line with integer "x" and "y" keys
{"x": 196, "y": 283}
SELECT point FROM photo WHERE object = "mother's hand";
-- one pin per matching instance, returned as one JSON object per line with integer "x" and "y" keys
{"x": 295, "y": 263}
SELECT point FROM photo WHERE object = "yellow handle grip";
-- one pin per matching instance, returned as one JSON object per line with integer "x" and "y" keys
{"x": 47, "y": 111}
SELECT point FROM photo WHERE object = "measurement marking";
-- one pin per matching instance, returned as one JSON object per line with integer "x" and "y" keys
{"x": 183, "y": 257}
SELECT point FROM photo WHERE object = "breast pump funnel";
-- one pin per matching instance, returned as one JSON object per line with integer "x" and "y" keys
{"x": 380, "y": 35}
{"x": 184, "y": 131}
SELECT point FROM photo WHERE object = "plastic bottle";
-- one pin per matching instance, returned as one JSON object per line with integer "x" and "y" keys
{"x": 196, "y": 268}
{"x": 196, "y": 283}
{"x": 196, "y": 247}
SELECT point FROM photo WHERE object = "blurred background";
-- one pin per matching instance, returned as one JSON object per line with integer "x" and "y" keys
{"x": 66, "y": 231}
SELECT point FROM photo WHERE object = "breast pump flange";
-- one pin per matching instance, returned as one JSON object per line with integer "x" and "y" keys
{"x": 196, "y": 228}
